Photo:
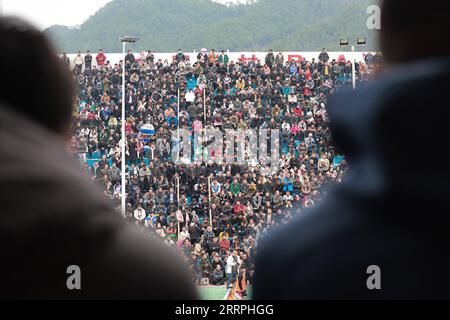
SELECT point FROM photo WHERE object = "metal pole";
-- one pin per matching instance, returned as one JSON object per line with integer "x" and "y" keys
{"x": 228, "y": 65}
{"x": 204, "y": 103}
{"x": 178, "y": 155}
{"x": 178, "y": 107}
{"x": 178, "y": 191}
{"x": 353, "y": 68}
{"x": 178, "y": 202}
{"x": 204, "y": 136}
{"x": 178, "y": 124}
{"x": 210, "y": 211}
{"x": 123, "y": 199}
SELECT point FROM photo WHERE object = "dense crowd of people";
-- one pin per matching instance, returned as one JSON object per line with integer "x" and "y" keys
{"x": 210, "y": 211}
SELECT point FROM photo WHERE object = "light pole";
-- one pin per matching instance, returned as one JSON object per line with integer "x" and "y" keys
{"x": 360, "y": 42}
{"x": 353, "y": 68}
{"x": 125, "y": 41}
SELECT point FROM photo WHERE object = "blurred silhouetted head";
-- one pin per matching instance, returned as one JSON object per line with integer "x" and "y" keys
{"x": 413, "y": 31}
{"x": 35, "y": 82}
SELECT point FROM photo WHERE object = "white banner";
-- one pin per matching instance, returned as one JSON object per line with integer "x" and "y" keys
{"x": 114, "y": 58}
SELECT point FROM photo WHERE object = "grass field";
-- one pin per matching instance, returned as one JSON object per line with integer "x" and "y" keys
{"x": 216, "y": 293}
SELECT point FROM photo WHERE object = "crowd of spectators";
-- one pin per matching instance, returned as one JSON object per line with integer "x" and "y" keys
{"x": 245, "y": 203}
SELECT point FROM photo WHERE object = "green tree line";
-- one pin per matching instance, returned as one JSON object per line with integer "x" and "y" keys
{"x": 166, "y": 25}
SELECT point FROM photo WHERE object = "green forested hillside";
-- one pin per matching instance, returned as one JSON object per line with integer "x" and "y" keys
{"x": 166, "y": 25}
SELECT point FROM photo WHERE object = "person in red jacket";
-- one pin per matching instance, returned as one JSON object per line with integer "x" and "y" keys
{"x": 238, "y": 208}
{"x": 224, "y": 244}
{"x": 101, "y": 58}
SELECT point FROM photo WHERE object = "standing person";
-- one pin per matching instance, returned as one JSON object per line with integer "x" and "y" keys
{"x": 180, "y": 56}
{"x": 66, "y": 222}
{"x": 212, "y": 56}
{"x": 324, "y": 56}
{"x": 383, "y": 233}
{"x": 150, "y": 58}
{"x": 232, "y": 268}
{"x": 101, "y": 58}
{"x": 241, "y": 285}
{"x": 129, "y": 58}
{"x": 88, "y": 60}
{"x": 368, "y": 59}
{"x": 270, "y": 59}
{"x": 279, "y": 59}
{"x": 238, "y": 288}
{"x": 223, "y": 58}
{"x": 65, "y": 60}
{"x": 78, "y": 63}
{"x": 232, "y": 291}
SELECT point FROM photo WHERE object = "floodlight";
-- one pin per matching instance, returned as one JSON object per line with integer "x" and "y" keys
{"x": 344, "y": 42}
{"x": 361, "y": 41}
{"x": 129, "y": 39}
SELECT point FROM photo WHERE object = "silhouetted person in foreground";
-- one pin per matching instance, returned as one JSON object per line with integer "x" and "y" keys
{"x": 51, "y": 217}
{"x": 393, "y": 210}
